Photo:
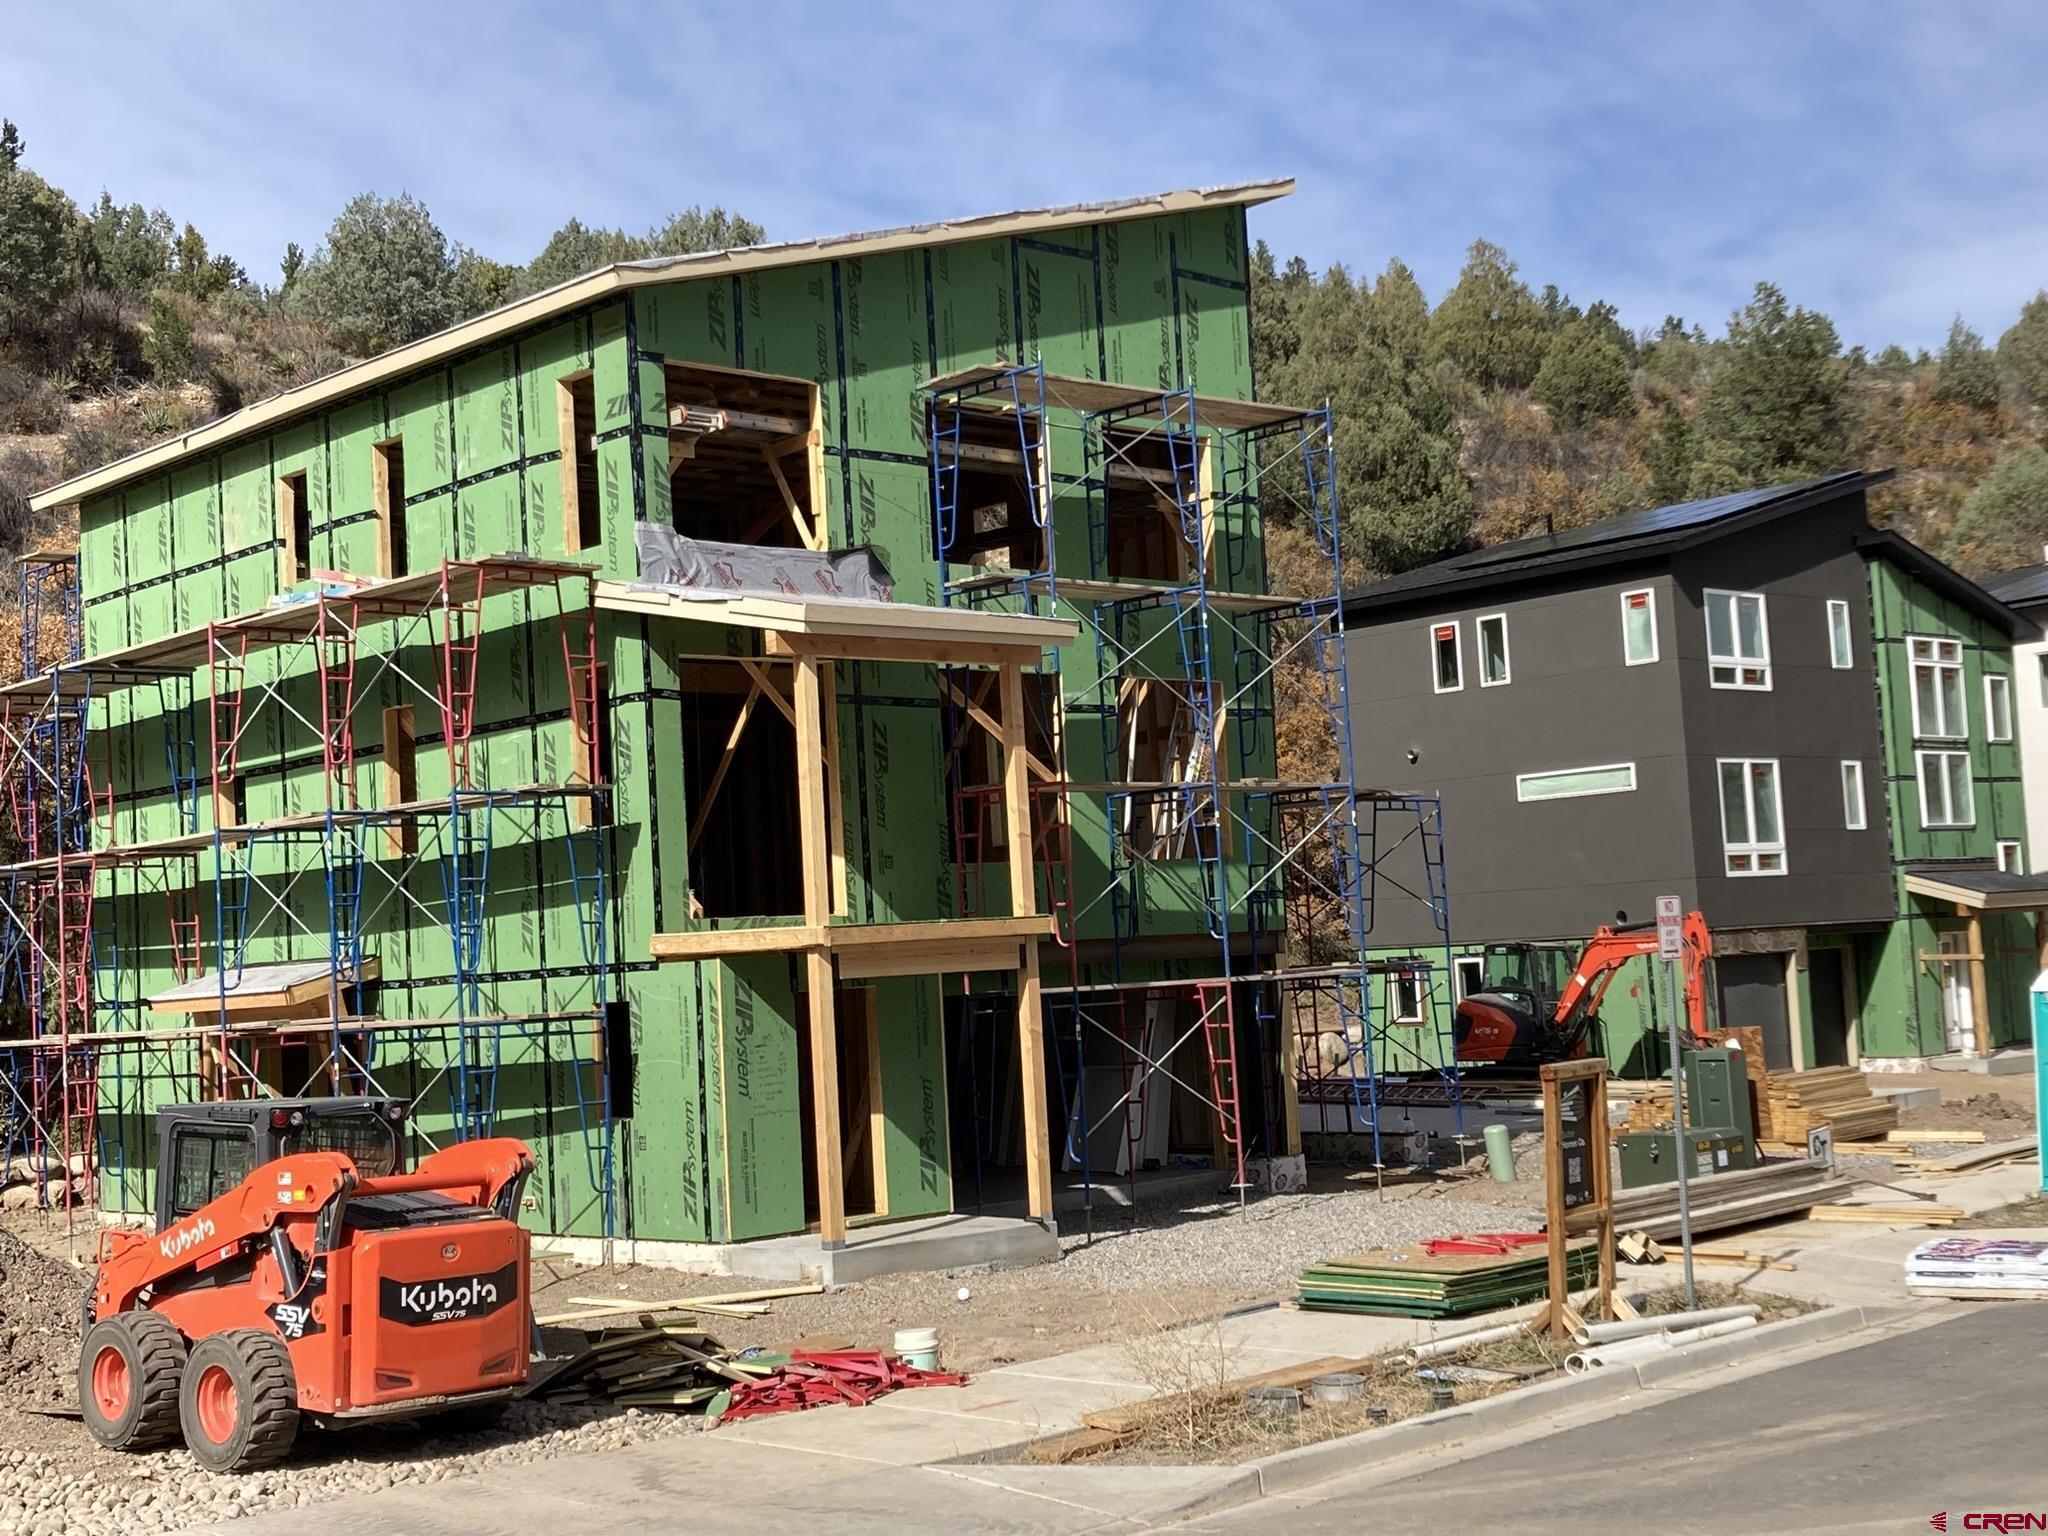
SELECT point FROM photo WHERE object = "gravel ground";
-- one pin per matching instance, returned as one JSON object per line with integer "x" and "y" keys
{"x": 1133, "y": 1273}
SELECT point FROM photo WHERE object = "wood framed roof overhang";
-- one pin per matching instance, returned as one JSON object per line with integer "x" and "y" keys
{"x": 537, "y": 310}
{"x": 851, "y": 630}
{"x": 1097, "y": 397}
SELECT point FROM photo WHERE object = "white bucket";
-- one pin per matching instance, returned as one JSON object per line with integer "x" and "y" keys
{"x": 919, "y": 1347}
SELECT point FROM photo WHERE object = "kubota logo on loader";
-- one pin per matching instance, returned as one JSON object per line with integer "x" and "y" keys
{"x": 445, "y": 1301}
{"x": 180, "y": 1241}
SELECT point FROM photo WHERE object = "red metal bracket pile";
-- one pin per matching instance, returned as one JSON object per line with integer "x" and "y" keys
{"x": 1489, "y": 1243}
{"x": 853, "y": 1377}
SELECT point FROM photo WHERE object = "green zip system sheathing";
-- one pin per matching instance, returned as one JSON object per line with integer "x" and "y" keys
{"x": 1900, "y": 983}
{"x": 699, "y": 1064}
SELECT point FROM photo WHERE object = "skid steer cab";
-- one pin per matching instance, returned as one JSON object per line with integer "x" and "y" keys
{"x": 299, "y": 1272}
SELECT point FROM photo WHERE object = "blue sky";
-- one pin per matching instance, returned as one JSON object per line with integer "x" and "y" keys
{"x": 1887, "y": 163}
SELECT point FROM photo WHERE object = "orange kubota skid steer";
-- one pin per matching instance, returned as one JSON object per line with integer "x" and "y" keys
{"x": 296, "y": 1272}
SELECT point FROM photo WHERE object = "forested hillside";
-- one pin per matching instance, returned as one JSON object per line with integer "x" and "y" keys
{"x": 1499, "y": 412}
{"x": 1504, "y": 411}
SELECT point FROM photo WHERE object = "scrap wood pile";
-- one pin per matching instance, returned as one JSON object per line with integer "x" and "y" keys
{"x": 666, "y": 1363}
{"x": 1442, "y": 1277}
{"x": 1798, "y": 1102}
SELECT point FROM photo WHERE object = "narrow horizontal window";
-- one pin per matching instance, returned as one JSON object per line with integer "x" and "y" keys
{"x": 1564, "y": 783}
{"x": 1639, "y": 628}
{"x": 1493, "y": 650}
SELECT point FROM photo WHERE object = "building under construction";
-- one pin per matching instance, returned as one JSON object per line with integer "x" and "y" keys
{"x": 787, "y": 732}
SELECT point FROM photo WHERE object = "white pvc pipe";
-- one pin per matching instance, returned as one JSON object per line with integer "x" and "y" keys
{"x": 1618, "y": 1351}
{"x": 1435, "y": 1349}
{"x": 1671, "y": 1322}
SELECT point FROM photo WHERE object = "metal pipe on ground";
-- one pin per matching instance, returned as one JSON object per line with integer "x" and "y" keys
{"x": 1671, "y": 1322}
{"x": 1436, "y": 1349}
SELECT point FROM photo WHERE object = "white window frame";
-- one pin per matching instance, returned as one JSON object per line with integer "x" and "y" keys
{"x": 1649, "y": 596}
{"x": 1841, "y": 636}
{"x": 1735, "y": 662}
{"x": 1464, "y": 965}
{"x": 1749, "y": 848}
{"x": 2012, "y": 856}
{"x": 1523, "y": 780}
{"x": 1411, "y": 984}
{"x": 1940, "y": 662}
{"x": 1997, "y": 703}
{"x": 1949, "y": 817}
{"x": 1436, "y": 676}
{"x": 1479, "y": 644}
{"x": 1855, "y": 810}
{"x": 2042, "y": 662}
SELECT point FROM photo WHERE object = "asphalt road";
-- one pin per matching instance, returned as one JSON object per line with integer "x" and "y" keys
{"x": 1952, "y": 1417}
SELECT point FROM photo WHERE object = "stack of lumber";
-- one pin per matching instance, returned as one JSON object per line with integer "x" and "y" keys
{"x": 1835, "y": 1096}
{"x": 1979, "y": 1268}
{"x": 1897, "y": 1213}
{"x": 1731, "y": 1199}
{"x": 1412, "y": 1283}
{"x": 1972, "y": 1158}
{"x": 1649, "y": 1108}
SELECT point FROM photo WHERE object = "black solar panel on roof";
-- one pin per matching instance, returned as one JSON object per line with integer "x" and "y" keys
{"x": 1632, "y": 525}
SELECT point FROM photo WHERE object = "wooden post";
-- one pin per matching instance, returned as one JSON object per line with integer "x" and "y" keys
{"x": 1578, "y": 1193}
{"x": 1980, "y": 1011}
{"x": 1030, "y": 995}
{"x": 810, "y": 772}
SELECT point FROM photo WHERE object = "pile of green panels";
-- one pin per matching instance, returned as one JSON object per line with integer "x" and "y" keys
{"x": 1411, "y": 1283}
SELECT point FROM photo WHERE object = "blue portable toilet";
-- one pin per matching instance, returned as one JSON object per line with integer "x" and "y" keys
{"x": 2041, "y": 1071}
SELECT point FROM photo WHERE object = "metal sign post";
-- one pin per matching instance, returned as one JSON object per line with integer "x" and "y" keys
{"x": 1670, "y": 946}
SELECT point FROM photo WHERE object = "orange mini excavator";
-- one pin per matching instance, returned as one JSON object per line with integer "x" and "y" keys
{"x": 297, "y": 1273}
{"x": 1507, "y": 1024}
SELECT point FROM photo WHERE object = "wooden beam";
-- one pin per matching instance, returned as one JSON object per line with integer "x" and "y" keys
{"x": 1980, "y": 994}
{"x": 855, "y": 936}
{"x": 806, "y": 531}
{"x": 936, "y": 652}
{"x": 982, "y": 718}
{"x": 1031, "y": 1072}
{"x": 1017, "y": 797}
{"x": 928, "y": 959}
{"x": 835, "y": 786}
{"x": 758, "y": 671}
{"x": 810, "y": 772}
{"x": 717, "y": 943}
{"x": 825, "y": 1101}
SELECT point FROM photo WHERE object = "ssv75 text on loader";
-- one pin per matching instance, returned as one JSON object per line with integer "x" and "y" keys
{"x": 298, "y": 1273}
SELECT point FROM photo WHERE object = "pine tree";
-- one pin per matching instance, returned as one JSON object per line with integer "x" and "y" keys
{"x": 2024, "y": 349}
{"x": 1489, "y": 326}
{"x": 1967, "y": 373}
{"x": 1670, "y": 455}
{"x": 1584, "y": 377}
{"x": 1775, "y": 411}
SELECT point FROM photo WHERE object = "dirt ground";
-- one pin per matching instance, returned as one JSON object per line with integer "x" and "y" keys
{"x": 2000, "y": 1115}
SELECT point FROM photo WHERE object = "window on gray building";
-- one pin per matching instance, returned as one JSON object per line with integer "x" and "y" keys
{"x": 1946, "y": 799}
{"x": 1738, "y": 640}
{"x": 1752, "y": 817}
{"x": 1854, "y": 816}
{"x": 1493, "y": 650}
{"x": 1567, "y": 783}
{"x": 1839, "y": 655}
{"x": 1639, "y": 628}
{"x": 1446, "y": 658}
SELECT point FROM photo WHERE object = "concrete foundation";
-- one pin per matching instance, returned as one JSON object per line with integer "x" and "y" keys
{"x": 898, "y": 1247}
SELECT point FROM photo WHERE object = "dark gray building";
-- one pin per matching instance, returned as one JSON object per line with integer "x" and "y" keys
{"x": 1682, "y": 701}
